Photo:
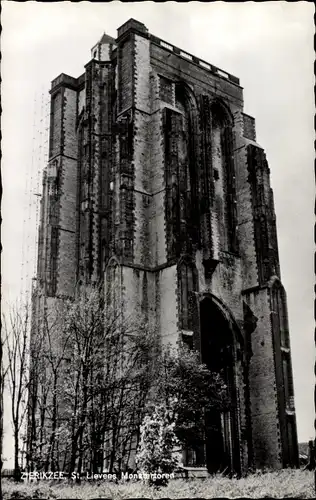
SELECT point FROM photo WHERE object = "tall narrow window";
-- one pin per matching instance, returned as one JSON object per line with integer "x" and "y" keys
{"x": 181, "y": 167}
{"x": 279, "y": 310}
{"x": 223, "y": 176}
{"x": 187, "y": 286}
{"x": 187, "y": 160}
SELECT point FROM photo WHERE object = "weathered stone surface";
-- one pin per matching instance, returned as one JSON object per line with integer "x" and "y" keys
{"x": 152, "y": 164}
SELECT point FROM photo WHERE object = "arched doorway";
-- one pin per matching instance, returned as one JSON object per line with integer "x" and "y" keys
{"x": 218, "y": 347}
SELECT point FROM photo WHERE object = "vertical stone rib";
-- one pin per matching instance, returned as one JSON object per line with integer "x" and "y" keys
{"x": 263, "y": 214}
{"x": 206, "y": 178}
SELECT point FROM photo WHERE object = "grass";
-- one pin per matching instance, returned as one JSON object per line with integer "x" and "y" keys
{"x": 278, "y": 484}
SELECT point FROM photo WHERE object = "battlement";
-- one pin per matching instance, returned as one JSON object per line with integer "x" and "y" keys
{"x": 137, "y": 27}
{"x": 193, "y": 59}
{"x": 140, "y": 28}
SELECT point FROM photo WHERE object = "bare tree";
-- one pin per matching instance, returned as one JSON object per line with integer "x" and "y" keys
{"x": 105, "y": 381}
{"x": 3, "y": 374}
{"x": 85, "y": 328}
{"x": 16, "y": 337}
{"x": 126, "y": 386}
{"x": 89, "y": 383}
{"x": 49, "y": 355}
{"x": 39, "y": 388}
{"x": 56, "y": 345}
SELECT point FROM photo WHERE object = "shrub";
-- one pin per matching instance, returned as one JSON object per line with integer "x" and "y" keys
{"x": 188, "y": 389}
{"x": 155, "y": 454}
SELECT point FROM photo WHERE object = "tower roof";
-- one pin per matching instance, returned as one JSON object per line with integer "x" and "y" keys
{"x": 106, "y": 39}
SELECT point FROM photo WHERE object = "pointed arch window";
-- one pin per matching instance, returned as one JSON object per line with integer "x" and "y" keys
{"x": 180, "y": 172}
{"x": 224, "y": 175}
{"x": 279, "y": 310}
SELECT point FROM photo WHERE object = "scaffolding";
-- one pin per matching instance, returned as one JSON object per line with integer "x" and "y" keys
{"x": 32, "y": 193}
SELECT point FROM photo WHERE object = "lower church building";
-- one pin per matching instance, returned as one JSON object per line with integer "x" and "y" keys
{"x": 156, "y": 185}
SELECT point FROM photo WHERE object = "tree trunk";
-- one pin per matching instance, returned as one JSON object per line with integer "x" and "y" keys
{"x": 1, "y": 431}
{"x": 17, "y": 471}
{"x": 32, "y": 435}
{"x": 311, "y": 456}
{"x": 50, "y": 454}
{"x": 73, "y": 455}
{"x": 80, "y": 456}
{"x": 81, "y": 431}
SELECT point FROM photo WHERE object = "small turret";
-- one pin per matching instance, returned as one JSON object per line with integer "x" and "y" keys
{"x": 103, "y": 49}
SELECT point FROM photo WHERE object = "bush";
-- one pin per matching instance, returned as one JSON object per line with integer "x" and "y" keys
{"x": 155, "y": 454}
{"x": 188, "y": 389}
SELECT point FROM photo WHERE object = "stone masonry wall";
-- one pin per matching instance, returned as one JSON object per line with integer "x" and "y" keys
{"x": 142, "y": 196}
{"x": 140, "y": 296}
{"x": 97, "y": 79}
{"x": 236, "y": 273}
{"x": 157, "y": 237}
{"x": 56, "y": 123}
{"x": 66, "y": 270}
{"x": 141, "y": 149}
{"x": 81, "y": 100}
{"x": 168, "y": 306}
{"x": 249, "y": 127}
{"x": 69, "y": 124}
{"x": 96, "y": 160}
{"x": 67, "y": 264}
{"x": 59, "y": 198}
{"x": 125, "y": 72}
{"x": 124, "y": 162}
{"x": 218, "y": 164}
{"x": 264, "y": 404}
{"x": 176, "y": 68}
{"x": 263, "y": 214}
{"x": 49, "y": 228}
{"x": 245, "y": 228}
{"x": 142, "y": 74}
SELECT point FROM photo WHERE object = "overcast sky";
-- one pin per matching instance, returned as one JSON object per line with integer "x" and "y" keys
{"x": 268, "y": 45}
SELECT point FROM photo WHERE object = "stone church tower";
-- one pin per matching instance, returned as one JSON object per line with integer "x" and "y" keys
{"x": 156, "y": 185}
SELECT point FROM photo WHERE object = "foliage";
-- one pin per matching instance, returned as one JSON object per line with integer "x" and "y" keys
{"x": 183, "y": 389}
{"x": 286, "y": 483}
{"x": 188, "y": 389}
{"x": 156, "y": 448}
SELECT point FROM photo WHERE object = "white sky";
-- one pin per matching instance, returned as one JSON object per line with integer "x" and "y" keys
{"x": 268, "y": 45}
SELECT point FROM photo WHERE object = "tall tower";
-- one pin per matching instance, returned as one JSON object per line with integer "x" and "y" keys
{"x": 157, "y": 187}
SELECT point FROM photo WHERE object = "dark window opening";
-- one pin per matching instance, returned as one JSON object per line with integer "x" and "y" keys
{"x": 223, "y": 168}
{"x": 187, "y": 286}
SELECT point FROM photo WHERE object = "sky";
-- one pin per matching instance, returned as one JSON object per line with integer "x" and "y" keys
{"x": 268, "y": 45}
